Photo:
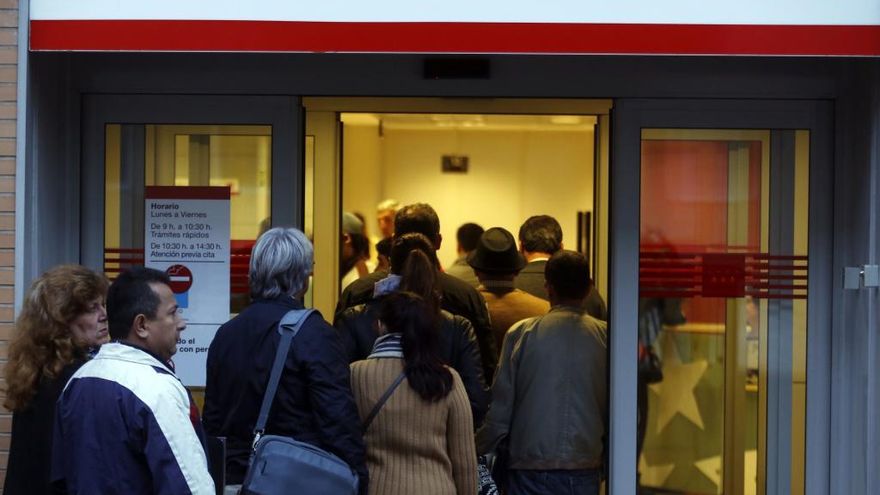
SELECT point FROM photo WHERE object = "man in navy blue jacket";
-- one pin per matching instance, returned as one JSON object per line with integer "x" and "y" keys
{"x": 314, "y": 403}
{"x": 124, "y": 423}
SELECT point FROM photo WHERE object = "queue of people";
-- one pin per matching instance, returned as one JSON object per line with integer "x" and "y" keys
{"x": 98, "y": 409}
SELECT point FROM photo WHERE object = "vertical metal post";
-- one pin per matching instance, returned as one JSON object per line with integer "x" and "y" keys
{"x": 324, "y": 126}
{"x": 199, "y": 160}
{"x": 23, "y": 132}
{"x": 601, "y": 189}
{"x": 820, "y": 300}
{"x": 779, "y": 318}
{"x": 132, "y": 181}
{"x": 623, "y": 298}
{"x": 735, "y": 414}
{"x": 288, "y": 173}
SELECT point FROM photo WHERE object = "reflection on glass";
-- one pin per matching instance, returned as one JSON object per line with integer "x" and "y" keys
{"x": 715, "y": 273}
{"x": 186, "y": 155}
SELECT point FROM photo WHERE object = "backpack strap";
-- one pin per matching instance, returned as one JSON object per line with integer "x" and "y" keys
{"x": 288, "y": 327}
{"x": 383, "y": 400}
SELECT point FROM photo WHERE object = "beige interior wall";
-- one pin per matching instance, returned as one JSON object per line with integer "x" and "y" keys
{"x": 112, "y": 185}
{"x": 512, "y": 175}
{"x": 362, "y": 167}
{"x": 239, "y": 157}
{"x": 243, "y": 162}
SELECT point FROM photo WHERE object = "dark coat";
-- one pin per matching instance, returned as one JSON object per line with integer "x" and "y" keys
{"x": 313, "y": 404}
{"x": 458, "y": 298}
{"x": 458, "y": 349}
{"x": 531, "y": 280}
{"x": 30, "y": 451}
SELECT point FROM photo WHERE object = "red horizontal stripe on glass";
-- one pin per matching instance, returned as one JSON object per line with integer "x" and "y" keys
{"x": 188, "y": 192}
{"x": 666, "y": 273}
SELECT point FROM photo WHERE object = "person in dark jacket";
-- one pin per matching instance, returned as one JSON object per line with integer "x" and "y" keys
{"x": 458, "y": 348}
{"x": 125, "y": 424}
{"x": 540, "y": 237}
{"x": 457, "y": 296}
{"x": 62, "y": 318}
{"x": 550, "y": 399}
{"x": 314, "y": 403}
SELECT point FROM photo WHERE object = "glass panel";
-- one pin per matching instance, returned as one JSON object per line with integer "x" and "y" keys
{"x": 308, "y": 206}
{"x": 186, "y": 155}
{"x": 722, "y": 300}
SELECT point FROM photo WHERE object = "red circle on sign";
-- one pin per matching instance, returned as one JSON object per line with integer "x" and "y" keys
{"x": 181, "y": 278}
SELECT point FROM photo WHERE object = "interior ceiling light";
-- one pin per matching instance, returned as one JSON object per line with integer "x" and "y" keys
{"x": 360, "y": 119}
{"x": 565, "y": 119}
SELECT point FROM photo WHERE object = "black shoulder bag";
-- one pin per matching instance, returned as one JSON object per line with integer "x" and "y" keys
{"x": 281, "y": 464}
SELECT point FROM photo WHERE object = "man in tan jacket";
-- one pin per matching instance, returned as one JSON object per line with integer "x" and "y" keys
{"x": 496, "y": 261}
{"x": 549, "y": 398}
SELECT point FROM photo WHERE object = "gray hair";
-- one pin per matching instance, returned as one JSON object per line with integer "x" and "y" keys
{"x": 281, "y": 263}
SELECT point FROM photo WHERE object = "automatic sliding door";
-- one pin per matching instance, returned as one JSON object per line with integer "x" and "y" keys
{"x": 144, "y": 155}
{"x": 723, "y": 271}
{"x": 250, "y": 144}
{"x": 719, "y": 300}
{"x": 248, "y": 148}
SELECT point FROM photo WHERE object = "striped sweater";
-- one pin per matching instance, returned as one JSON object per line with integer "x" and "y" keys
{"x": 414, "y": 446}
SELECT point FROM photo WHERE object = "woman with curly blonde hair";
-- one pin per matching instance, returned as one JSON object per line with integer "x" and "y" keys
{"x": 62, "y": 318}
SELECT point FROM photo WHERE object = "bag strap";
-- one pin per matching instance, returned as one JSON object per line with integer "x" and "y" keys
{"x": 383, "y": 400}
{"x": 288, "y": 327}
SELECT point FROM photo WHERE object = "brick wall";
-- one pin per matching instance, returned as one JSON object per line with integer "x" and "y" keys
{"x": 8, "y": 89}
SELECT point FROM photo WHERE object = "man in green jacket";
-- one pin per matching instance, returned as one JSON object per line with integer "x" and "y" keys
{"x": 549, "y": 398}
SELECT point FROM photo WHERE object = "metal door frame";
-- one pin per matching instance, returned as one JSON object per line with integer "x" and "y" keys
{"x": 629, "y": 117}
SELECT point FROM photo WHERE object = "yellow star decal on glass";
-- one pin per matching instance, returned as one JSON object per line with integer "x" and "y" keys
{"x": 654, "y": 475}
{"x": 676, "y": 391}
{"x": 711, "y": 468}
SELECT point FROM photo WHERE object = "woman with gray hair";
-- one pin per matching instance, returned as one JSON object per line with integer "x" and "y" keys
{"x": 314, "y": 403}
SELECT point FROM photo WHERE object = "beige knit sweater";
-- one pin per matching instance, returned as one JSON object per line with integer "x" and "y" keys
{"x": 413, "y": 446}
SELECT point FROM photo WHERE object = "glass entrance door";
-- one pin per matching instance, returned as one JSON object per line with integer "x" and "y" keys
{"x": 717, "y": 276}
{"x": 141, "y": 156}
{"x": 249, "y": 147}
{"x": 130, "y": 142}
{"x": 726, "y": 303}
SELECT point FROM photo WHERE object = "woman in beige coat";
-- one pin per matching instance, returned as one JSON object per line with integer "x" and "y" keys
{"x": 421, "y": 441}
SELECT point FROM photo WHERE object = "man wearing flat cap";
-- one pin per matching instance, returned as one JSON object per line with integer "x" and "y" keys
{"x": 496, "y": 261}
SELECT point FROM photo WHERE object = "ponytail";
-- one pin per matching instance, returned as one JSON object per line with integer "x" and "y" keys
{"x": 413, "y": 258}
{"x": 419, "y": 276}
{"x": 415, "y": 318}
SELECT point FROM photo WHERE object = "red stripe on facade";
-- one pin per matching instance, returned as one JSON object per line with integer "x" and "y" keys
{"x": 421, "y": 37}
{"x": 187, "y": 192}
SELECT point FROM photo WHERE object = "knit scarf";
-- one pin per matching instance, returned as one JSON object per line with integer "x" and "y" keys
{"x": 389, "y": 345}
{"x": 386, "y": 286}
